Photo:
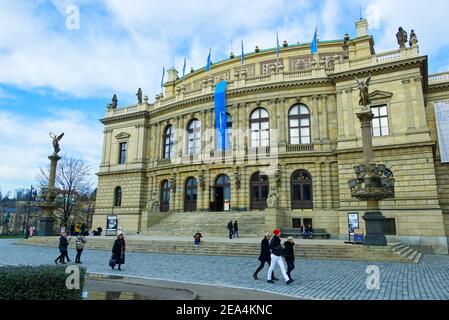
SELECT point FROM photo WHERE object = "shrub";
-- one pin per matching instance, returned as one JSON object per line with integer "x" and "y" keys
{"x": 37, "y": 283}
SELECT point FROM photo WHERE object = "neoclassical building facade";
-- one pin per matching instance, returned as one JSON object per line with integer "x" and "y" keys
{"x": 292, "y": 130}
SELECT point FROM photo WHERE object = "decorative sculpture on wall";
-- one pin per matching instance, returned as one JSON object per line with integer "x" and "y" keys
{"x": 363, "y": 87}
{"x": 272, "y": 200}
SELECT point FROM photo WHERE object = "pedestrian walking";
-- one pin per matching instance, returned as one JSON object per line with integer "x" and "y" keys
{"x": 118, "y": 252}
{"x": 63, "y": 243}
{"x": 80, "y": 242}
{"x": 72, "y": 230}
{"x": 77, "y": 229}
{"x": 230, "y": 228}
{"x": 264, "y": 256}
{"x": 236, "y": 229}
{"x": 276, "y": 257}
{"x": 197, "y": 238}
{"x": 67, "y": 251}
{"x": 289, "y": 256}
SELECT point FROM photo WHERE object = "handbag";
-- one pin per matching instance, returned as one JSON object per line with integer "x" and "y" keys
{"x": 112, "y": 261}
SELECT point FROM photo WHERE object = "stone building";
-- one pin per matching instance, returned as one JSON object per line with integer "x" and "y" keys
{"x": 292, "y": 132}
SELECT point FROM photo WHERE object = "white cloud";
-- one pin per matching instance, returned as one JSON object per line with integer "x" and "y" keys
{"x": 26, "y": 145}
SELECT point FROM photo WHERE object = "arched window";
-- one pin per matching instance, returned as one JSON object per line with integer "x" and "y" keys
{"x": 118, "y": 197}
{"x": 194, "y": 142}
{"x": 168, "y": 142}
{"x": 301, "y": 188}
{"x": 228, "y": 131}
{"x": 222, "y": 193}
{"x": 260, "y": 187}
{"x": 260, "y": 128}
{"x": 165, "y": 196}
{"x": 190, "y": 195}
{"x": 228, "y": 134}
{"x": 299, "y": 124}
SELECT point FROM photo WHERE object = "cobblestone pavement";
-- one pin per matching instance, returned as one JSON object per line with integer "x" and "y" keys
{"x": 315, "y": 279}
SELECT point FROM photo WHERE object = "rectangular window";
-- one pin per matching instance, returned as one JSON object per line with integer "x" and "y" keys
{"x": 296, "y": 223}
{"x": 390, "y": 227}
{"x": 380, "y": 121}
{"x": 122, "y": 153}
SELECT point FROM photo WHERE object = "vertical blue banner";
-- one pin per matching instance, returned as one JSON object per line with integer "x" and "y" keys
{"x": 220, "y": 115}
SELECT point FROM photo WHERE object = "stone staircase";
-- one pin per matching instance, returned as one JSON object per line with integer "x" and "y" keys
{"x": 210, "y": 224}
{"x": 318, "y": 249}
{"x": 407, "y": 252}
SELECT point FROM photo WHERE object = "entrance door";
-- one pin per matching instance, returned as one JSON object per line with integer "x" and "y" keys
{"x": 259, "y": 191}
{"x": 222, "y": 197}
{"x": 191, "y": 195}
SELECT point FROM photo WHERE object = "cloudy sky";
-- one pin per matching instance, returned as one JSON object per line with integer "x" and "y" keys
{"x": 57, "y": 77}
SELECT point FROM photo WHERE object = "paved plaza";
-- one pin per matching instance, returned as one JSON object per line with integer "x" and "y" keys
{"x": 315, "y": 279}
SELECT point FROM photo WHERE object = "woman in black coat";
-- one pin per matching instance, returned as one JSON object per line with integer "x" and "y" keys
{"x": 118, "y": 251}
{"x": 289, "y": 255}
{"x": 265, "y": 255}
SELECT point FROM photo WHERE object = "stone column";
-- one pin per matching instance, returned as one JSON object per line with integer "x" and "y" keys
{"x": 172, "y": 202}
{"x": 420, "y": 104}
{"x": 46, "y": 222}
{"x": 325, "y": 118}
{"x": 282, "y": 109}
{"x": 318, "y": 190}
{"x": 409, "y": 109}
{"x": 341, "y": 122}
{"x": 105, "y": 141}
{"x": 316, "y": 135}
{"x": 349, "y": 121}
{"x": 109, "y": 151}
{"x": 366, "y": 119}
{"x": 244, "y": 187}
{"x": 329, "y": 195}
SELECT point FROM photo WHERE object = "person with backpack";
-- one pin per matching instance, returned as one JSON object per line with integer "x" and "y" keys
{"x": 236, "y": 230}
{"x": 80, "y": 242}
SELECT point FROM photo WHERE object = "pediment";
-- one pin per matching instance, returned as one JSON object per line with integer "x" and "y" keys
{"x": 123, "y": 135}
{"x": 379, "y": 94}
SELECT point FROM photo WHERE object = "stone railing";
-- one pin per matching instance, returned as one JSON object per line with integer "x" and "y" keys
{"x": 258, "y": 151}
{"x": 439, "y": 77}
{"x": 385, "y": 57}
{"x": 300, "y": 148}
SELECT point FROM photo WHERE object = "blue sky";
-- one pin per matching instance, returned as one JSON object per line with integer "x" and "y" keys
{"x": 56, "y": 79}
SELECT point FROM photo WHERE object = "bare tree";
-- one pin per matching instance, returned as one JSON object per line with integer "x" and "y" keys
{"x": 72, "y": 185}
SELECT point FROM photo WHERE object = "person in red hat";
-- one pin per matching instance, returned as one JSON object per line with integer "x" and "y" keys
{"x": 276, "y": 257}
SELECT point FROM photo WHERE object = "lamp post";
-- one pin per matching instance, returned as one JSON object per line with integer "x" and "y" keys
{"x": 373, "y": 182}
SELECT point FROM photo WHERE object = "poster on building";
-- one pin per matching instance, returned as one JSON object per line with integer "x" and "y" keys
{"x": 442, "y": 120}
{"x": 111, "y": 225}
{"x": 353, "y": 222}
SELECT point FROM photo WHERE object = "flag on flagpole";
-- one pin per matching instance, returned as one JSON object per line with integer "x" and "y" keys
{"x": 314, "y": 46}
{"x": 277, "y": 46}
{"x": 208, "y": 61}
{"x": 243, "y": 54}
{"x": 184, "y": 70}
{"x": 163, "y": 75}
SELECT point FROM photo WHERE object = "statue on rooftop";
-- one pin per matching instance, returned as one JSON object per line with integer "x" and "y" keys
{"x": 139, "y": 95}
{"x": 402, "y": 38}
{"x": 413, "y": 39}
{"x": 114, "y": 102}
{"x": 363, "y": 87}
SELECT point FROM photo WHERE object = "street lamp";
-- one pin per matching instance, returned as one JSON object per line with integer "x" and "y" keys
{"x": 26, "y": 223}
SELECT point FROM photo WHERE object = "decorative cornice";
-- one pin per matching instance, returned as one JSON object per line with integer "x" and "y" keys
{"x": 126, "y": 117}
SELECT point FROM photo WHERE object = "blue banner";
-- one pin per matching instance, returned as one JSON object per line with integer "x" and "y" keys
{"x": 314, "y": 46}
{"x": 220, "y": 115}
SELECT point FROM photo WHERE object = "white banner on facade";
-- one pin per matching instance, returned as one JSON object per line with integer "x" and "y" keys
{"x": 442, "y": 119}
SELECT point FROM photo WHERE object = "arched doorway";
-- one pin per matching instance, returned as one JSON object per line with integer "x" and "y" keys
{"x": 190, "y": 195}
{"x": 222, "y": 194}
{"x": 301, "y": 188}
{"x": 260, "y": 187}
{"x": 165, "y": 196}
